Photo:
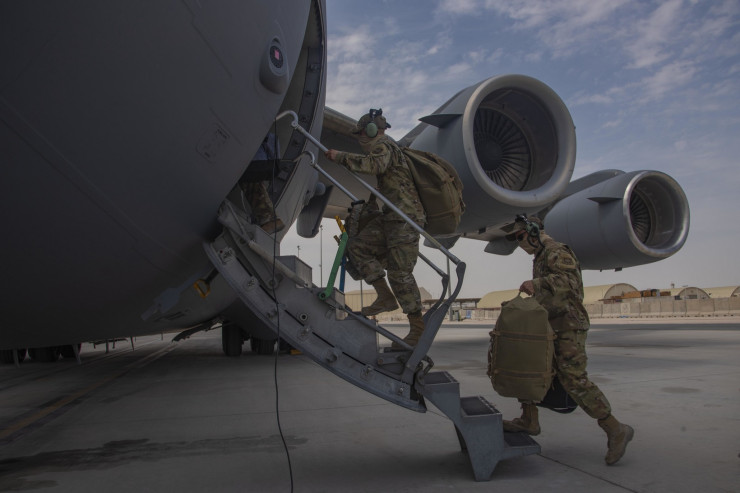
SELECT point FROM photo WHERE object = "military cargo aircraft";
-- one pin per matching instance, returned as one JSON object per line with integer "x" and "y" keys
{"x": 126, "y": 130}
{"x": 129, "y": 130}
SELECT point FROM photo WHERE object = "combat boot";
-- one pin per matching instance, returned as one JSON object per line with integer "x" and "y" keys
{"x": 416, "y": 324}
{"x": 528, "y": 423}
{"x": 385, "y": 302}
{"x": 618, "y": 435}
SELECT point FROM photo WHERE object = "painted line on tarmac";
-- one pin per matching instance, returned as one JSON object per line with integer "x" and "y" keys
{"x": 46, "y": 414}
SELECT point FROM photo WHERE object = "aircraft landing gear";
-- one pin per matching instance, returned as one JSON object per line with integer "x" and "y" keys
{"x": 262, "y": 346}
{"x": 232, "y": 339}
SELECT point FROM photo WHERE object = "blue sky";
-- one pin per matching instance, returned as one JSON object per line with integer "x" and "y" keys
{"x": 649, "y": 84}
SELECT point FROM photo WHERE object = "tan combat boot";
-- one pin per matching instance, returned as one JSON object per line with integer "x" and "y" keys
{"x": 416, "y": 323}
{"x": 385, "y": 302}
{"x": 528, "y": 423}
{"x": 618, "y": 435}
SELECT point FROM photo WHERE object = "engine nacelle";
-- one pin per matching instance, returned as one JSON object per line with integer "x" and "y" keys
{"x": 513, "y": 143}
{"x": 631, "y": 219}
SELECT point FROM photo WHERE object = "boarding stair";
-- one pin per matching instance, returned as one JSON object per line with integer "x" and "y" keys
{"x": 279, "y": 291}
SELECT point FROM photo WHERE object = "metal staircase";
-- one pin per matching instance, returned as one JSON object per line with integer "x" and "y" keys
{"x": 279, "y": 290}
{"x": 478, "y": 425}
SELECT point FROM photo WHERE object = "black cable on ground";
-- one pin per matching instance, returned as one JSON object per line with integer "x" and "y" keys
{"x": 277, "y": 307}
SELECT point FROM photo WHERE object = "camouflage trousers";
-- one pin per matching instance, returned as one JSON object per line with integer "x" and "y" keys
{"x": 259, "y": 201}
{"x": 392, "y": 245}
{"x": 570, "y": 362}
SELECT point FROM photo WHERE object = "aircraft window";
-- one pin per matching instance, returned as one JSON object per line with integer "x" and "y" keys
{"x": 276, "y": 56}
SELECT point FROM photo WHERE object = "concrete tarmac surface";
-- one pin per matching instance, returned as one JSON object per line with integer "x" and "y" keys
{"x": 183, "y": 417}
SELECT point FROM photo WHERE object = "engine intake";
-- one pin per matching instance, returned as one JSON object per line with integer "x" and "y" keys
{"x": 512, "y": 141}
{"x": 631, "y": 219}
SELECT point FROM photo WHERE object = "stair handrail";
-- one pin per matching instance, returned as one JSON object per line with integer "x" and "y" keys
{"x": 422, "y": 347}
{"x": 365, "y": 184}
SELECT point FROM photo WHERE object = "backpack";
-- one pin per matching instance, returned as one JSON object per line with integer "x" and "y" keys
{"x": 557, "y": 399}
{"x": 520, "y": 356}
{"x": 440, "y": 190}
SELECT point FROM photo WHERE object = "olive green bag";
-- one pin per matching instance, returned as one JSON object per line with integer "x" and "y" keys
{"x": 440, "y": 190}
{"x": 520, "y": 356}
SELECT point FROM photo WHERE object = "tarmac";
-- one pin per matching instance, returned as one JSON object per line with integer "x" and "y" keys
{"x": 183, "y": 417}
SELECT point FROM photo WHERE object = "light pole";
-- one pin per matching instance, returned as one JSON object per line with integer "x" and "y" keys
{"x": 321, "y": 253}
{"x": 449, "y": 287}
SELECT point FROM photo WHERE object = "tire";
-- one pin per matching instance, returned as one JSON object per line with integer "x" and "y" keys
{"x": 262, "y": 346}
{"x": 231, "y": 340}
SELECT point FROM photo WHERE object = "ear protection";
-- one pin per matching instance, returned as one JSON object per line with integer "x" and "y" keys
{"x": 371, "y": 129}
{"x": 532, "y": 228}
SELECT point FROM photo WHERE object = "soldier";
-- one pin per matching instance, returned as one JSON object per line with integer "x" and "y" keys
{"x": 557, "y": 285}
{"x": 387, "y": 239}
{"x": 263, "y": 210}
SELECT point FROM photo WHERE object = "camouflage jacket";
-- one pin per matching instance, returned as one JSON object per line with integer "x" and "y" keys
{"x": 558, "y": 285}
{"x": 387, "y": 163}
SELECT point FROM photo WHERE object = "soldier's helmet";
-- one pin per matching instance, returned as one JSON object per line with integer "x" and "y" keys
{"x": 368, "y": 120}
{"x": 533, "y": 225}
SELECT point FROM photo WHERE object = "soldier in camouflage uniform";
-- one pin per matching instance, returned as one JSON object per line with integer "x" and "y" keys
{"x": 263, "y": 210}
{"x": 557, "y": 285}
{"x": 387, "y": 240}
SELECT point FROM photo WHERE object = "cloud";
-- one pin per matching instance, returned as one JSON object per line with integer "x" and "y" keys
{"x": 591, "y": 99}
{"x": 668, "y": 79}
{"x": 653, "y": 35}
{"x": 564, "y": 26}
{"x": 353, "y": 44}
{"x": 458, "y": 7}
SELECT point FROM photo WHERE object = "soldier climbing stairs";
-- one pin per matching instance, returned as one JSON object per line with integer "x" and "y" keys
{"x": 279, "y": 290}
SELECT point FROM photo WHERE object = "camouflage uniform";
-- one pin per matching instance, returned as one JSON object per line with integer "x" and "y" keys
{"x": 388, "y": 241}
{"x": 558, "y": 286}
{"x": 259, "y": 200}
{"x": 263, "y": 210}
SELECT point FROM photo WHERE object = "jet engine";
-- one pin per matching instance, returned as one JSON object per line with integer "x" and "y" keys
{"x": 629, "y": 219}
{"x": 513, "y": 143}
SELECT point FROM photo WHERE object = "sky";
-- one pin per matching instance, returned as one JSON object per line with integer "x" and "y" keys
{"x": 650, "y": 85}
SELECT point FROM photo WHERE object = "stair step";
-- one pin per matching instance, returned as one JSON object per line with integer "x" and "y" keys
{"x": 519, "y": 444}
{"x": 517, "y": 439}
{"x": 477, "y": 406}
{"x": 438, "y": 377}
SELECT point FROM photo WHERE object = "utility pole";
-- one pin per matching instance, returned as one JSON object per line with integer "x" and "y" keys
{"x": 449, "y": 286}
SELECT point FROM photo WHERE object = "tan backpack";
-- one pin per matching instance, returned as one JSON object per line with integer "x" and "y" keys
{"x": 520, "y": 356}
{"x": 440, "y": 190}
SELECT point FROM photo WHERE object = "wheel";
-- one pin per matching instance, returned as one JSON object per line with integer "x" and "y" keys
{"x": 231, "y": 340}
{"x": 47, "y": 354}
{"x": 262, "y": 346}
{"x": 68, "y": 351}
